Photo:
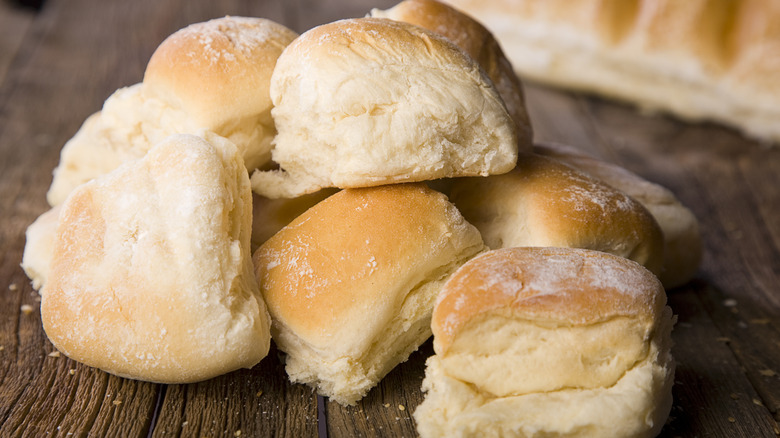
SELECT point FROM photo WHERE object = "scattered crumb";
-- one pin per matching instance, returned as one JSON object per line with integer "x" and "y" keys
{"x": 757, "y": 402}
{"x": 12, "y": 287}
{"x": 768, "y": 373}
{"x": 259, "y": 393}
{"x": 26, "y": 309}
{"x": 238, "y": 433}
{"x": 2, "y": 348}
{"x": 730, "y": 302}
{"x": 387, "y": 405}
{"x": 732, "y": 420}
{"x": 71, "y": 371}
{"x": 117, "y": 402}
{"x": 734, "y": 396}
{"x": 401, "y": 407}
{"x": 54, "y": 354}
{"x": 185, "y": 423}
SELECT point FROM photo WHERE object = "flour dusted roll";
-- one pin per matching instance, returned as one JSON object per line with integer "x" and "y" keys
{"x": 544, "y": 202}
{"x": 365, "y": 102}
{"x": 350, "y": 284}
{"x": 479, "y": 43}
{"x": 271, "y": 215}
{"x": 207, "y": 76}
{"x": 552, "y": 342}
{"x": 151, "y": 274}
{"x": 698, "y": 59}
{"x": 680, "y": 228}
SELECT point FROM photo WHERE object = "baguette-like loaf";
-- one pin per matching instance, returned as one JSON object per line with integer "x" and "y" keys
{"x": 698, "y": 59}
{"x": 479, "y": 43}
{"x": 151, "y": 273}
{"x": 207, "y": 76}
{"x": 544, "y": 202}
{"x": 351, "y": 283}
{"x": 680, "y": 228}
{"x": 553, "y": 342}
{"x": 368, "y": 101}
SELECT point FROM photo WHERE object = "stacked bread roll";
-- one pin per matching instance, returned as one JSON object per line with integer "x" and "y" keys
{"x": 164, "y": 266}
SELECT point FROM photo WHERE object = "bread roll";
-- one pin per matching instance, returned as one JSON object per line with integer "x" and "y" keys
{"x": 38, "y": 248}
{"x": 350, "y": 284}
{"x": 365, "y": 102}
{"x": 544, "y": 202}
{"x": 213, "y": 75}
{"x": 553, "y": 342}
{"x": 698, "y": 59}
{"x": 151, "y": 275}
{"x": 479, "y": 43}
{"x": 680, "y": 228}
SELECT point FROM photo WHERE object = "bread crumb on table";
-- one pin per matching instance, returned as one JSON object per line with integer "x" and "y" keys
{"x": 26, "y": 309}
{"x": 12, "y": 287}
{"x": 54, "y": 354}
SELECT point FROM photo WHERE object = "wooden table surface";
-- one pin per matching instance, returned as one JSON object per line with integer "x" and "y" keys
{"x": 60, "y": 62}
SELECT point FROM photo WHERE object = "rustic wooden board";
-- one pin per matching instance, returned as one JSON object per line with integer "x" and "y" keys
{"x": 60, "y": 64}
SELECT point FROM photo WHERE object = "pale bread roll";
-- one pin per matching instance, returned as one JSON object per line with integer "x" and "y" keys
{"x": 680, "y": 228}
{"x": 553, "y": 342}
{"x": 479, "y": 43}
{"x": 366, "y": 102}
{"x": 207, "y": 76}
{"x": 544, "y": 202}
{"x": 38, "y": 247}
{"x": 697, "y": 59}
{"x": 350, "y": 284}
{"x": 151, "y": 274}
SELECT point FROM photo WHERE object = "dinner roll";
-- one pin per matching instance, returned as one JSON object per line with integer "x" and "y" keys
{"x": 479, "y": 43}
{"x": 38, "y": 247}
{"x": 553, "y": 342}
{"x": 271, "y": 215}
{"x": 544, "y": 202}
{"x": 682, "y": 241}
{"x": 151, "y": 275}
{"x": 365, "y": 102}
{"x": 213, "y": 75}
{"x": 350, "y": 284}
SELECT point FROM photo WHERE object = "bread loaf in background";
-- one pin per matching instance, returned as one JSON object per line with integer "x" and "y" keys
{"x": 351, "y": 283}
{"x": 151, "y": 274}
{"x": 368, "y": 101}
{"x": 680, "y": 228}
{"x": 698, "y": 59}
{"x": 212, "y": 75}
{"x": 553, "y": 342}
{"x": 544, "y": 202}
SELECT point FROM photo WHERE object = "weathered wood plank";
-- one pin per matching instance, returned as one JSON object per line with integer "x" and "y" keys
{"x": 14, "y": 22}
{"x": 387, "y": 409}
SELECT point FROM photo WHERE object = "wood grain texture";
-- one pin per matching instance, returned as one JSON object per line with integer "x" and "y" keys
{"x": 60, "y": 64}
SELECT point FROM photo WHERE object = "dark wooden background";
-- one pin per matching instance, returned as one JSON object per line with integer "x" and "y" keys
{"x": 59, "y": 63}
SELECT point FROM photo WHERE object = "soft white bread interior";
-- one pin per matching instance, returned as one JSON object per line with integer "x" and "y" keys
{"x": 213, "y": 75}
{"x": 680, "y": 228}
{"x": 697, "y": 59}
{"x": 38, "y": 247}
{"x": 151, "y": 274}
{"x": 351, "y": 283}
{"x": 479, "y": 43}
{"x": 553, "y": 342}
{"x": 365, "y": 102}
{"x": 544, "y": 202}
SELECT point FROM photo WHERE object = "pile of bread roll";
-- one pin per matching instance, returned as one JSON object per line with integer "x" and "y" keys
{"x": 350, "y": 192}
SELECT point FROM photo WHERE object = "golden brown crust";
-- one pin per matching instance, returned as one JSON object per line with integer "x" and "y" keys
{"x": 550, "y": 286}
{"x": 543, "y": 202}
